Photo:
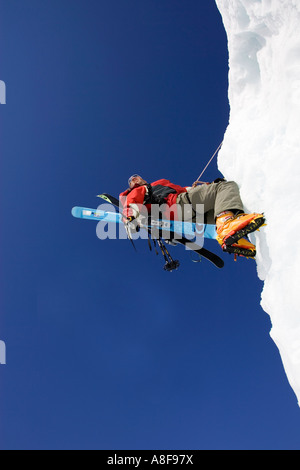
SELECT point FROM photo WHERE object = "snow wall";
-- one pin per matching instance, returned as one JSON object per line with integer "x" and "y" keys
{"x": 261, "y": 152}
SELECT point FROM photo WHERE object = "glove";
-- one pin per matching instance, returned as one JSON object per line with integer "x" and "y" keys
{"x": 131, "y": 224}
{"x": 218, "y": 180}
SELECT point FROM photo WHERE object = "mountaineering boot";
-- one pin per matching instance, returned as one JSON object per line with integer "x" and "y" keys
{"x": 222, "y": 221}
{"x": 231, "y": 228}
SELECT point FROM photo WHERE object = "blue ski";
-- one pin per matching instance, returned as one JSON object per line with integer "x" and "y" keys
{"x": 184, "y": 229}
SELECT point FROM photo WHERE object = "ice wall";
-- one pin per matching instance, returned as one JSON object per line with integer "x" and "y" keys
{"x": 261, "y": 151}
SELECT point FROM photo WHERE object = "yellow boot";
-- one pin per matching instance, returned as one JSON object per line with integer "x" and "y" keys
{"x": 231, "y": 228}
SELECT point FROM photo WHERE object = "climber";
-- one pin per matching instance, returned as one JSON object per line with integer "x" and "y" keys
{"x": 219, "y": 200}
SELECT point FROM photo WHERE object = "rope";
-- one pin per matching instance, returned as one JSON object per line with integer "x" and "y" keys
{"x": 209, "y": 162}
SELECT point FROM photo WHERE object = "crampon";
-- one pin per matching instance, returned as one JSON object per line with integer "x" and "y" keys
{"x": 239, "y": 250}
{"x": 254, "y": 225}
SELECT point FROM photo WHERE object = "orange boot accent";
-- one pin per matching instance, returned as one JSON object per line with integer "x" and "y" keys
{"x": 244, "y": 243}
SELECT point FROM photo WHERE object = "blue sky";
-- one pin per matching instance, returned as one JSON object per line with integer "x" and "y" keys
{"x": 105, "y": 350}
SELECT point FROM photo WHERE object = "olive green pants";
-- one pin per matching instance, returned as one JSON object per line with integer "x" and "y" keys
{"x": 214, "y": 197}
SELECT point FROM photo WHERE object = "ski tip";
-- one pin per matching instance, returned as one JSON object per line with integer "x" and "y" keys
{"x": 76, "y": 212}
{"x": 105, "y": 197}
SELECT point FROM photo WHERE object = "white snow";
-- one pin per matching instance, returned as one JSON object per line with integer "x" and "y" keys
{"x": 261, "y": 152}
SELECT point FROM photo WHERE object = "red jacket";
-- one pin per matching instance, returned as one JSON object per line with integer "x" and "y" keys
{"x": 139, "y": 195}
